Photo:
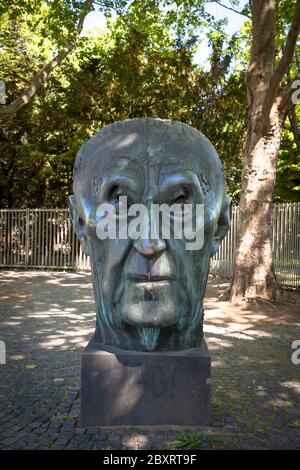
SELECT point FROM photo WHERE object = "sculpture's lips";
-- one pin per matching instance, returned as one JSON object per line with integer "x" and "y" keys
{"x": 148, "y": 302}
{"x": 146, "y": 279}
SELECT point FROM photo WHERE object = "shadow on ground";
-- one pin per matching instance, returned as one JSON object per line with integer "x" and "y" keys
{"x": 47, "y": 318}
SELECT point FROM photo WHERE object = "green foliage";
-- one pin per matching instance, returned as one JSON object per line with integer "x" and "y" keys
{"x": 141, "y": 65}
{"x": 190, "y": 440}
{"x": 288, "y": 175}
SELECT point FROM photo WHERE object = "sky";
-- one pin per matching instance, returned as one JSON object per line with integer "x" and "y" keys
{"x": 96, "y": 20}
{"x": 234, "y": 19}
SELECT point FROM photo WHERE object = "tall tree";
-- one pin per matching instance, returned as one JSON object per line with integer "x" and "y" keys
{"x": 269, "y": 102}
{"x": 137, "y": 66}
{"x": 76, "y": 11}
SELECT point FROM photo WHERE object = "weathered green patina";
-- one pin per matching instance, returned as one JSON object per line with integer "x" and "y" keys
{"x": 149, "y": 291}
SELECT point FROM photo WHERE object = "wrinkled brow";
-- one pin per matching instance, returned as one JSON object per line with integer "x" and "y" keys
{"x": 173, "y": 182}
{"x": 127, "y": 179}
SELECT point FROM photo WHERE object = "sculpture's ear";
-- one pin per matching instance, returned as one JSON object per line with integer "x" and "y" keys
{"x": 222, "y": 226}
{"x": 78, "y": 223}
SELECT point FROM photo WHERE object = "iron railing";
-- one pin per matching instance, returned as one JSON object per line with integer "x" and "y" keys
{"x": 44, "y": 238}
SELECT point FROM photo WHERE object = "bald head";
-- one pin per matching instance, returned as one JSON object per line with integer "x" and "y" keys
{"x": 149, "y": 151}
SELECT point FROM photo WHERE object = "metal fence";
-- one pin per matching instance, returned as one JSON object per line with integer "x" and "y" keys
{"x": 39, "y": 238}
{"x": 44, "y": 238}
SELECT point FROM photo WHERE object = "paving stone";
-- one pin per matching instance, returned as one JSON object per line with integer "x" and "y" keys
{"x": 255, "y": 390}
{"x": 144, "y": 442}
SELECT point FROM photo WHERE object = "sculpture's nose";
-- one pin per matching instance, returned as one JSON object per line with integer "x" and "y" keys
{"x": 149, "y": 247}
{"x": 149, "y": 244}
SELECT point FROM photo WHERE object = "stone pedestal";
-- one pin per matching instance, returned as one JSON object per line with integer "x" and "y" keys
{"x": 139, "y": 388}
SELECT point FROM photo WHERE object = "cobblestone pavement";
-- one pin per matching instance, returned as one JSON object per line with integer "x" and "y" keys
{"x": 46, "y": 320}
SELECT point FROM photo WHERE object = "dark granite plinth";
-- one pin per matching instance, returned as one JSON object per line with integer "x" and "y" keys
{"x": 138, "y": 388}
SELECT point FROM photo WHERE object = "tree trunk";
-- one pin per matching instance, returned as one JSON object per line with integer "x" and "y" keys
{"x": 254, "y": 274}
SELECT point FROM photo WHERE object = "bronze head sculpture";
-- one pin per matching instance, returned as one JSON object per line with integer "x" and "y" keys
{"x": 149, "y": 290}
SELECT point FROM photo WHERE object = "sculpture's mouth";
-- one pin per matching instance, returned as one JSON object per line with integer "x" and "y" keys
{"x": 152, "y": 290}
{"x": 149, "y": 302}
{"x": 143, "y": 279}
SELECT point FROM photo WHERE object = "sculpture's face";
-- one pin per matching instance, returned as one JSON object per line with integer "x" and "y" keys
{"x": 149, "y": 291}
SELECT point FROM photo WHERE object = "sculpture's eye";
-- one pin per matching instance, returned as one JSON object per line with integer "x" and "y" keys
{"x": 183, "y": 196}
{"x": 114, "y": 194}
{"x": 119, "y": 198}
{"x": 80, "y": 221}
{"x": 180, "y": 200}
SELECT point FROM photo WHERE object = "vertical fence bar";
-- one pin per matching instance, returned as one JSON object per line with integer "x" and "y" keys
{"x": 26, "y": 238}
{"x": 43, "y": 236}
{"x": 47, "y": 241}
{"x": 2, "y": 238}
{"x": 12, "y": 218}
{"x": 8, "y": 238}
{"x": 61, "y": 226}
{"x": 39, "y": 237}
{"x": 51, "y": 237}
{"x": 73, "y": 245}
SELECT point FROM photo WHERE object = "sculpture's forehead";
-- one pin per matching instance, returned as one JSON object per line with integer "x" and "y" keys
{"x": 152, "y": 152}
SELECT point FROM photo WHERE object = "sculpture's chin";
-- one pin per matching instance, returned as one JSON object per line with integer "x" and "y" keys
{"x": 149, "y": 304}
